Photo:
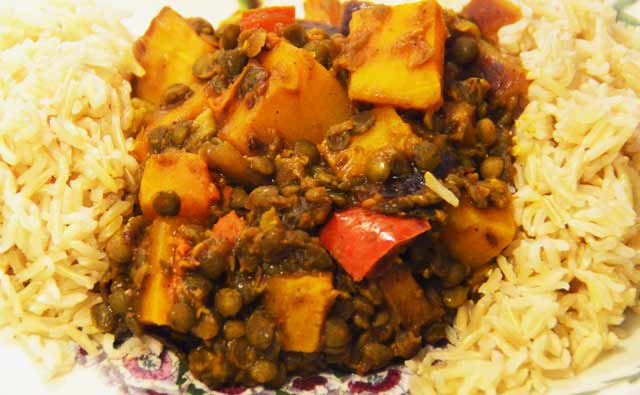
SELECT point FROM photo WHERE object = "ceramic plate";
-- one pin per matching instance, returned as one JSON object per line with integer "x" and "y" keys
{"x": 159, "y": 372}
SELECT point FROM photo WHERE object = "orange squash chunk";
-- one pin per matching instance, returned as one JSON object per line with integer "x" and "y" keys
{"x": 474, "y": 235}
{"x": 325, "y": 11}
{"x": 396, "y": 55}
{"x": 167, "y": 52}
{"x": 300, "y": 304}
{"x": 157, "y": 293}
{"x": 184, "y": 173}
{"x": 302, "y": 100}
{"x": 389, "y": 133}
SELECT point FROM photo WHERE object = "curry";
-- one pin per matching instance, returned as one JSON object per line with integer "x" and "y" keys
{"x": 313, "y": 196}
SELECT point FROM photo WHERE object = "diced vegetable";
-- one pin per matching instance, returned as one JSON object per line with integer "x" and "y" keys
{"x": 358, "y": 239}
{"x": 325, "y": 11}
{"x": 189, "y": 110}
{"x": 474, "y": 236}
{"x": 300, "y": 304}
{"x": 185, "y": 174}
{"x": 491, "y": 15}
{"x": 406, "y": 298}
{"x": 167, "y": 52}
{"x": 228, "y": 228}
{"x": 302, "y": 100}
{"x": 157, "y": 296}
{"x": 505, "y": 74}
{"x": 388, "y": 133}
{"x": 396, "y": 55}
{"x": 270, "y": 18}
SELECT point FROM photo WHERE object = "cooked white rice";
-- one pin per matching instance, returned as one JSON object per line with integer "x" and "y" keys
{"x": 64, "y": 168}
{"x": 550, "y": 308}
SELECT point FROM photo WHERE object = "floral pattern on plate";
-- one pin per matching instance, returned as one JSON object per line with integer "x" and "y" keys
{"x": 161, "y": 372}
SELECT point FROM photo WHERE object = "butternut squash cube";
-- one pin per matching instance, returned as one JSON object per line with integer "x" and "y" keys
{"x": 184, "y": 173}
{"x": 302, "y": 100}
{"x": 167, "y": 52}
{"x": 396, "y": 55}
{"x": 325, "y": 11}
{"x": 300, "y": 304}
{"x": 389, "y": 132}
{"x": 474, "y": 235}
{"x": 157, "y": 293}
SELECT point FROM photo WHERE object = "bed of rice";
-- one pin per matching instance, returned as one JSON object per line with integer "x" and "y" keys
{"x": 551, "y": 307}
{"x": 64, "y": 168}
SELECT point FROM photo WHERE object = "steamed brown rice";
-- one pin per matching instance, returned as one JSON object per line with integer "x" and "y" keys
{"x": 64, "y": 168}
{"x": 549, "y": 308}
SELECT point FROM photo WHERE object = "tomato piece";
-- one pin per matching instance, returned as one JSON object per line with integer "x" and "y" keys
{"x": 270, "y": 19}
{"x": 228, "y": 228}
{"x": 358, "y": 238}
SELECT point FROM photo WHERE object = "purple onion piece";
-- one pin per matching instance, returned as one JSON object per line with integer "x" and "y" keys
{"x": 403, "y": 186}
{"x": 448, "y": 161}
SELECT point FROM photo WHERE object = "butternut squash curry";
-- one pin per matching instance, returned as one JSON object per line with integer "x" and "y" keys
{"x": 313, "y": 197}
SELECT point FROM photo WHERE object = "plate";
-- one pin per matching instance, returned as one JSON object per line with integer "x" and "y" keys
{"x": 617, "y": 372}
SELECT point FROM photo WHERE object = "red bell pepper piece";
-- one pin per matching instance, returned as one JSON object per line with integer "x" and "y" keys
{"x": 270, "y": 19}
{"x": 358, "y": 238}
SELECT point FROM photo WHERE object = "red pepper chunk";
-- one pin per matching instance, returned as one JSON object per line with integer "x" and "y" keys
{"x": 358, "y": 238}
{"x": 270, "y": 19}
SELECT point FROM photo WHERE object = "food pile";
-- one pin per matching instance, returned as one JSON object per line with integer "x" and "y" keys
{"x": 312, "y": 197}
